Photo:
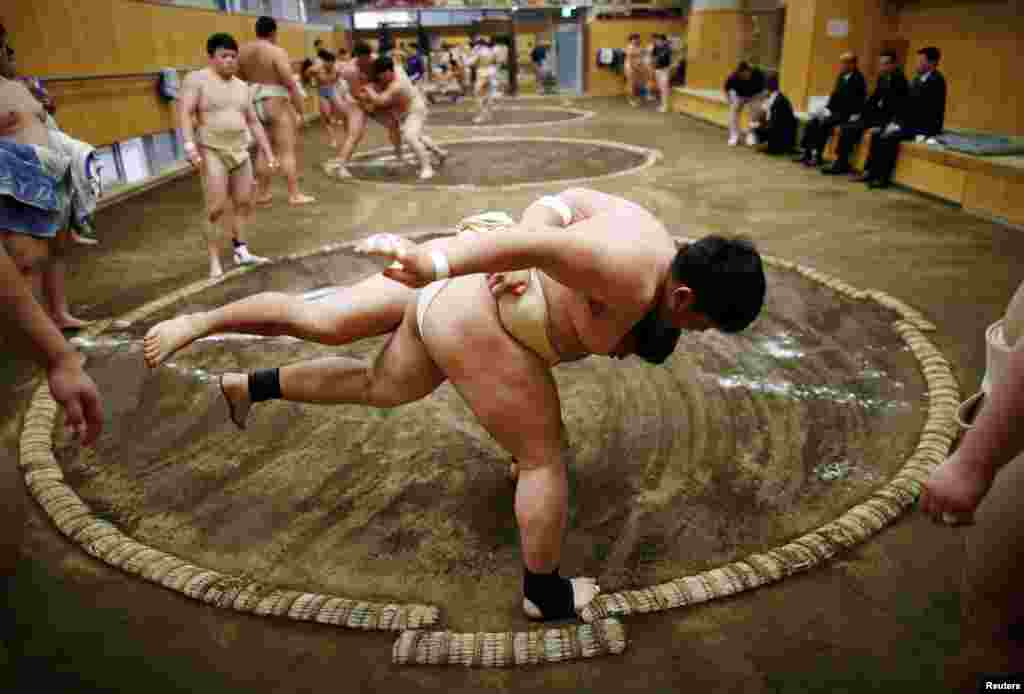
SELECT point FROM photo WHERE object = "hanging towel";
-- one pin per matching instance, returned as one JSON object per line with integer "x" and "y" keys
{"x": 168, "y": 84}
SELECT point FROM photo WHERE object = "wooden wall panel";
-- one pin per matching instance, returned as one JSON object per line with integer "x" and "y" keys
{"x": 797, "y": 49}
{"x": 810, "y": 55}
{"x": 715, "y": 41}
{"x": 111, "y": 37}
{"x": 981, "y": 45}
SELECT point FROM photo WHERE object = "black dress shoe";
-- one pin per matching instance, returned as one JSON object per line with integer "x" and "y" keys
{"x": 835, "y": 169}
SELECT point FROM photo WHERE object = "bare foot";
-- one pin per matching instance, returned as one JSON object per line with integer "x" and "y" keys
{"x": 166, "y": 338}
{"x": 263, "y": 200}
{"x": 69, "y": 322}
{"x": 83, "y": 240}
{"x": 954, "y": 490}
{"x": 235, "y": 389}
{"x": 584, "y": 590}
{"x": 301, "y": 199}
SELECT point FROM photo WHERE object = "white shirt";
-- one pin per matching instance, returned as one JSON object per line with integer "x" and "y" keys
{"x": 769, "y": 102}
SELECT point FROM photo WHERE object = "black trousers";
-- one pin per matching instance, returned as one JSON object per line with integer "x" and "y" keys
{"x": 884, "y": 150}
{"x": 850, "y": 134}
{"x": 816, "y": 133}
{"x": 780, "y": 140}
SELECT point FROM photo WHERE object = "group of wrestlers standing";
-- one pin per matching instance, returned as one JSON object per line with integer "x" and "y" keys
{"x": 249, "y": 98}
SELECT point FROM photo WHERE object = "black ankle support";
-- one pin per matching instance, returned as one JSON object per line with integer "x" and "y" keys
{"x": 265, "y": 384}
{"x": 551, "y": 593}
{"x": 236, "y": 243}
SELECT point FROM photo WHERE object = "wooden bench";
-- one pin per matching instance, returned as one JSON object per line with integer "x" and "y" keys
{"x": 988, "y": 186}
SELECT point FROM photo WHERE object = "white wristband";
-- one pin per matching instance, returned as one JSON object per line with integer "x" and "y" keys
{"x": 555, "y": 203}
{"x": 441, "y": 268}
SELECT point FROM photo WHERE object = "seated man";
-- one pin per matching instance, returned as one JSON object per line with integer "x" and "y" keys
{"x": 455, "y": 314}
{"x": 846, "y": 100}
{"x": 922, "y": 116}
{"x": 742, "y": 87}
{"x": 880, "y": 109}
{"x": 776, "y": 125}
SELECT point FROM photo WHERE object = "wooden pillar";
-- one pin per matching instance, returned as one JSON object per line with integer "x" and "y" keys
{"x": 817, "y": 32}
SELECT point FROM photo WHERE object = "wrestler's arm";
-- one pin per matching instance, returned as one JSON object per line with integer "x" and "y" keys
{"x": 187, "y": 107}
{"x": 958, "y": 485}
{"x": 284, "y": 72}
{"x": 256, "y": 128}
{"x": 69, "y": 383}
{"x": 386, "y": 97}
{"x": 581, "y": 203}
{"x": 589, "y": 257}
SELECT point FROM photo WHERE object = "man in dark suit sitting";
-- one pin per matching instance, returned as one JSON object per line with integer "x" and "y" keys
{"x": 885, "y": 103}
{"x": 921, "y": 117}
{"x": 776, "y": 125}
{"x": 846, "y": 99}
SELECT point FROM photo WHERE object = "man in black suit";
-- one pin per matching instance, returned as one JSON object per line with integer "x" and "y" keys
{"x": 846, "y": 99}
{"x": 777, "y": 125}
{"x": 922, "y": 116}
{"x": 885, "y": 103}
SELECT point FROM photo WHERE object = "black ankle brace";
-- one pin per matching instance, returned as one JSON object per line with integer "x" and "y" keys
{"x": 265, "y": 384}
{"x": 236, "y": 243}
{"x": 551, "y": 593}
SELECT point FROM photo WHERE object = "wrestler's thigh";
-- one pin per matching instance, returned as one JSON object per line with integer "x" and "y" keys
{"x": 508, "y": 387}
{"x": 346, "y": 111}
{"x": 242, "y": 183}
{"x": 338, "y": 107}
{"x": 413, "y": 127}
{"x": 216, "y": 181}
{"x": 357, "y": 119}
{"x": 371, "y": 307}
{"x": 28, "y": 253}
{"x": 282, "y": 122}
{"x": 404, "y": 370}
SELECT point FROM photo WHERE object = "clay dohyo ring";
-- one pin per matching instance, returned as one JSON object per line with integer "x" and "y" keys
{"x": 579, "y": 116}
{"x": 601, "y": 633}
{"x": 651, "y": 157}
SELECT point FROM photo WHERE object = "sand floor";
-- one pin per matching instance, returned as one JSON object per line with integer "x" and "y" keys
{"x": 885, "y": 614}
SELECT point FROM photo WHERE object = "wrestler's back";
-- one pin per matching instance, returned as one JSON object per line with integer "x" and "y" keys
{"x": 30, "y": 128}
{"x": 256, "y": 63}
